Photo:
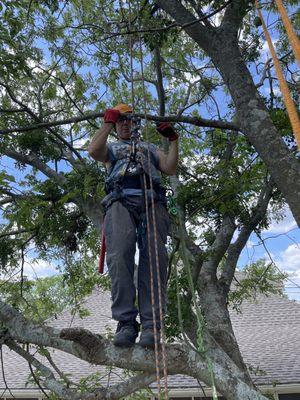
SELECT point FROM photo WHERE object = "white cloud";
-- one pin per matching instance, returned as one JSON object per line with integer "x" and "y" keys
{"x": 289, "y": 259}
{"x": 285, "y": 225}
{"x": 266, "y": 90}
{"x": 265, "y": 51}
{"x": 292, "y": 287}
{"x": 250, "y": 244}
{"x": 38, "y": 269}
{"x": 80, "y": 143}
{"x": 191, "y": 78}
{"x": 33, "y": 269}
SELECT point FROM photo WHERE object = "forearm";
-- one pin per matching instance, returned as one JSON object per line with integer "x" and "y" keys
{"x": 170, "y": 161}
{"x": 98, "y": 149}
{"x": 172, "y": 157}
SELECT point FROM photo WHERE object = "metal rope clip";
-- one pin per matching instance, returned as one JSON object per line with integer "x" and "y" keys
{"x": 135, "y": 136}
{"x": 171, "y": 203}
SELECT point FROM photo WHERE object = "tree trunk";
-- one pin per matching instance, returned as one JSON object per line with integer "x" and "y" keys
{"x": 255, "y": 122}
{"x": 218, "y": 323}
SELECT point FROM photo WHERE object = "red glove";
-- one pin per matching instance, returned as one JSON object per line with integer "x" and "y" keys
{"x": 167, "y": 130}
{"x": 111, "y": 115}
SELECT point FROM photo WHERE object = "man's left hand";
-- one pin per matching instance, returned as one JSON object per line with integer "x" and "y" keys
{"x": 167, "y": 130}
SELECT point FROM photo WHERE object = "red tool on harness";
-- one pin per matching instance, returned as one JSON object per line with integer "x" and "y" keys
{"x": 102, "y": 252}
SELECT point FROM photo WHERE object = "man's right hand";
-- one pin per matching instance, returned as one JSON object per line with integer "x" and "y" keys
{"x": 112, "y": 115}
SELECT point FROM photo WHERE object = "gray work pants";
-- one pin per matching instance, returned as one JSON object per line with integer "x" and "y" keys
{"x": 121, "y": 227}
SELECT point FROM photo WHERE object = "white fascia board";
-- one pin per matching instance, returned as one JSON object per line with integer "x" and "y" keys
{"x": 24, "y": 393}
{"x": 188, "y": 392}
{"x": 197, "y": 392}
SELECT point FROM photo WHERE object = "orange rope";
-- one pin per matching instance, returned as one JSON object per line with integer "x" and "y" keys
{"x": 288, "y": 101}
{"x": 159, "y": 286}
{"x": 155, "y": 329}
{"x": 295, "y": 42}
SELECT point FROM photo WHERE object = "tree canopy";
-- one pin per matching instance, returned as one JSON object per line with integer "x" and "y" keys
{"x": 198, "y": 64}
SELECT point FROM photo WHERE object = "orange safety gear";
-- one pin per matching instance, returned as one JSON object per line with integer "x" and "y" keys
{"x": 123, "y": 108}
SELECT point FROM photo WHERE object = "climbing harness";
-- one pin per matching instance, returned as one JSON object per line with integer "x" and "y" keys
{"x": 290, "y": 106}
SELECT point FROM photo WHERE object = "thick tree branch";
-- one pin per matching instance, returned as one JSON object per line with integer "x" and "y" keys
{"x": 97, "y": 350}
{"x": 218, "y": 248}
{"x": 203, "y": 19}
{"x": 128, "y": 387}
{"x": 203, "y": 35}
{"x": 38, "y": 118}
{"x": 49, "y": 379}
{"x": 31, "y": 159}
{"x": 171, "y": 118}
{"x": 236, "y": 248}
{"x": 233, "y": 16}
{"x": 91, "y": 206}
{"x": 113, "y": 392}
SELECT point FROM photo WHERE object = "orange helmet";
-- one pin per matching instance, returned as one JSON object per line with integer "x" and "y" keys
{"x": 123, "y": 108}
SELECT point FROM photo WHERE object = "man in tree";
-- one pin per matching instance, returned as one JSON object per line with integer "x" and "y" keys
{"x": 129, "y": 193}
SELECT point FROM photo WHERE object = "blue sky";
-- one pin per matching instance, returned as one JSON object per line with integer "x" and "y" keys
{"x": 281, "y": 245}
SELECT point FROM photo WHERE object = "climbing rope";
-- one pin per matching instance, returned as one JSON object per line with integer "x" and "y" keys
{"x": 294, "y": 41}
{"x": 131, "y": 59}
{"x": 162, "y": 330}
{"x": 155, "y": 329}
{"x": 290, "y": 106}
{"x": 156, "y": 347}
{"x": 200, "y": 348}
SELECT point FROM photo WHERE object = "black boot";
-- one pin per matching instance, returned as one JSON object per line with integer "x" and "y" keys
{"x": 126, "y": 333}
{"x": 147, "y": 338}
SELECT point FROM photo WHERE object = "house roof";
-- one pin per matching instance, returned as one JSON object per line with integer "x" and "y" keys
{"x": 267, "y": 331}
{"x": 268, "y": 334}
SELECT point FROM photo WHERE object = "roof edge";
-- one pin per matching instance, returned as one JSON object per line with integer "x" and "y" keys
{"x": 187, "y": 392}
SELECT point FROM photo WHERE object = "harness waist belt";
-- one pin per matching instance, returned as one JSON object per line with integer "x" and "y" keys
{"x": 132, "y": 182}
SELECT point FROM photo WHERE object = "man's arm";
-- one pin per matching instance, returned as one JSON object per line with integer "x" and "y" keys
{"x": 167, "y": 163}
{"x": 98, "y": 149}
